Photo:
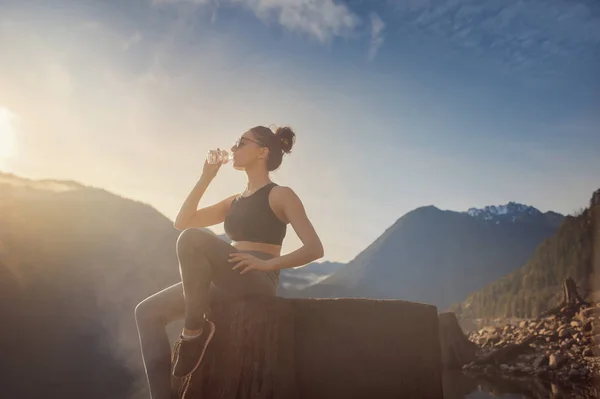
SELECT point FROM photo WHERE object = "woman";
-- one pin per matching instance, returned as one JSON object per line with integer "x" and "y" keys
{"x": 256, "y": 222}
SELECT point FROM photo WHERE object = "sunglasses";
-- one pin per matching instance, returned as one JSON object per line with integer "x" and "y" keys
{"x": 241, "y": 141}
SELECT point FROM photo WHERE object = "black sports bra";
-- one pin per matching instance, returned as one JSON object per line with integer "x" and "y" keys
{"x": 252, "y": 219}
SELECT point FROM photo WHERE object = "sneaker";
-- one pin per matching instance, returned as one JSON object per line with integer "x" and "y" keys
{"x": 191, "y": 352}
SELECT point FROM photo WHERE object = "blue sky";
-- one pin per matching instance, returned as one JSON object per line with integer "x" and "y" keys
{"x": 396, "y": 104}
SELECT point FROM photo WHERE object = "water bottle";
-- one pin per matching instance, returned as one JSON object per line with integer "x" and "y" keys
{"x": 218, "y": 156}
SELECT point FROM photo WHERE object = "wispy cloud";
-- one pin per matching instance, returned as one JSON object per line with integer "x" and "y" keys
{"x": 320, "y": 19}
{"x": 377, "y": 27}
{"x": 536, "y": 35}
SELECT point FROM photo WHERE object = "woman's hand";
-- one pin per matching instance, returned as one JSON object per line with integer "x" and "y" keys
{"x": 250, "y": 262}
{"x": 209, "y": 171}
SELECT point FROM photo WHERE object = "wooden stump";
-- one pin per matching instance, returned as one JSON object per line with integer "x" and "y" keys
{"x": 571, "y": 300}
{"x": 281, "y": 348}
{"x": 251, "y": 354}
{"x": 457, "y": 350}
{"x": 354, "y": 348}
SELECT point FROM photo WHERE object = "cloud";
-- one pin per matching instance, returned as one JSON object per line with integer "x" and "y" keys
{"x": 320, "y": 19}
{"x": 538, "y": 36}
{"x": 377, "y": 27}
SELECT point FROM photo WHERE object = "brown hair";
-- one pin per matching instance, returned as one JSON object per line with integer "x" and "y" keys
{"x": 278, "y": 143}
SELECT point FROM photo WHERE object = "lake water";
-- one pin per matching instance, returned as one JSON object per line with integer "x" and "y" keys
{"x": 461, "y": 386}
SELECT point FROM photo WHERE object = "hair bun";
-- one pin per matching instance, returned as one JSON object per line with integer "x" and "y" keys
{"x": 287, "y": 138}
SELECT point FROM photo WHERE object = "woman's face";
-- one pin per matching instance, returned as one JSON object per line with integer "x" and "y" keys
{"x": 247, "y": 150}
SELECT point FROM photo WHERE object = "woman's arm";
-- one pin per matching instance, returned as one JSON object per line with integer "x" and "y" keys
{"x": 312, "y": 248}
{"x": 190, "y": 216}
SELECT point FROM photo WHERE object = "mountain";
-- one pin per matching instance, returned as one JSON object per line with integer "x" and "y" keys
{"x": 11, "y": 311}
{"x": 536, "y": 287}
{"x": 301, "y": 277}
{"x": 439, "y": 257}
{"x": 74, "y": 262}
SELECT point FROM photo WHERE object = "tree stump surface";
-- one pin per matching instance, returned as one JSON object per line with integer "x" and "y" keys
{"x": 363, "y": 348}
{"x": 250, "y": 355}
{"x": 281, "y": 348}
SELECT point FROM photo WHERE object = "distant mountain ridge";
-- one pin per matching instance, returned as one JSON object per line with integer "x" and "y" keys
{"x": 511, "y": 212}
{"x": 536, "y": 286}
{"x": 439, "y": 256}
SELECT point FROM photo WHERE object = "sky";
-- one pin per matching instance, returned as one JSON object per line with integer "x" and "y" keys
{"x": 396, "y": 104}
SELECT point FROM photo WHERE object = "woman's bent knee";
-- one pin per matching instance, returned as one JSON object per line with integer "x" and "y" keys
{"x": 194, "y": 239}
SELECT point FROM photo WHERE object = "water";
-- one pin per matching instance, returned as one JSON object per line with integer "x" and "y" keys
{"x": 216, "y": 156}
{"x": 458, "y": 385}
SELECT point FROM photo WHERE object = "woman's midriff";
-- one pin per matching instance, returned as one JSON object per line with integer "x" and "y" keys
{"x": 272, "y": 249}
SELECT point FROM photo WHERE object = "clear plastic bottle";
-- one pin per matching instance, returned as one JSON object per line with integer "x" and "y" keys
{"x": 218, "y": 156}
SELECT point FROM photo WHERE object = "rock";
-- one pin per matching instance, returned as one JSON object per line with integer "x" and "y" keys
{"x": 562, "y": 346}
{"x": 489, "y": 330}
{"x": 588, "y": 312}
{"x": 564, "y": 333}
{"x": 574, "y": 373}
{"x": 539, "y": 324}
{"x": 556, "y": 360}
{"x": 566, "y": 344}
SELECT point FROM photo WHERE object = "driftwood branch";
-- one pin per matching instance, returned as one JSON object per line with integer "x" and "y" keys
{"x": 507, "y": 353}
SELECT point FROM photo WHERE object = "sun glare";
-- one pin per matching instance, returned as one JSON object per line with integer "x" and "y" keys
{"x": 7, "y": 136}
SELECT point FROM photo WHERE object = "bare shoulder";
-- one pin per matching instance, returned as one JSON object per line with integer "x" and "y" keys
{"x": 283, "y": 193}
{"x": 283, "y": 199}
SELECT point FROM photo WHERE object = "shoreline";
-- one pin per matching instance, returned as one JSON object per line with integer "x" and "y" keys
{"x": 560, "y": 348}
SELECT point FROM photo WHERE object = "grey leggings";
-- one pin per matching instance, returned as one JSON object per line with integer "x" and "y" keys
{"x": 205, "y": 274}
